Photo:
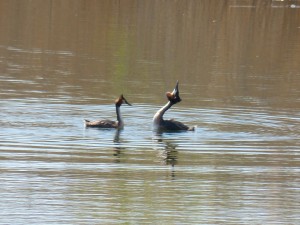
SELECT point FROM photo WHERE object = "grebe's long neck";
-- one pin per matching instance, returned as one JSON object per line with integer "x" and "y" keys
{"x": 158, "y": 117}
{"x": 119, "y": 117}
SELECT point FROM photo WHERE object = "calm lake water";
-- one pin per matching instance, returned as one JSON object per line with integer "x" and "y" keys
{"x": 238, "y": 68}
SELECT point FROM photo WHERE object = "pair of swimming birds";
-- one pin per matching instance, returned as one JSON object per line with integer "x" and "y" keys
{"x": 158, "y": 122}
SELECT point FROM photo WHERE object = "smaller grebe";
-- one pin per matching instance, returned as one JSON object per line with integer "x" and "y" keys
{"x": 169, "y": 125}
{"x": 119, "y": 124}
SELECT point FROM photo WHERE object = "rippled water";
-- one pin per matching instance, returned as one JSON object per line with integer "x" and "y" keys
{"x": 240, "y": 165}
{"x": 65, "y": 61}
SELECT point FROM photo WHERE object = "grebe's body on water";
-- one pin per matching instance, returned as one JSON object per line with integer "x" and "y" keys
{"x": 119, "y": 124}
{"x": 169, "y": 125}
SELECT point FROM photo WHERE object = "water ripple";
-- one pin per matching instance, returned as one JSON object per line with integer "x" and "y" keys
{"x": 235, "y": 157}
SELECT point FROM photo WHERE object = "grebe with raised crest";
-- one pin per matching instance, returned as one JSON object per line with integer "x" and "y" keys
{"x": 169, "y": 125}
{"x": 119, "y": 124}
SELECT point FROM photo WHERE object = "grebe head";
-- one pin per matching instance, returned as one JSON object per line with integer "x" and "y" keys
{"x": 119, "y": 101}
{"x": 174, "y": 95}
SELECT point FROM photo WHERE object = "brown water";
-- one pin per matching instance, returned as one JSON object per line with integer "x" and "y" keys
{"x": 238, "y": 67}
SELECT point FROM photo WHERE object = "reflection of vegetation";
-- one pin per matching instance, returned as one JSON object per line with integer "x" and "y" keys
{"x": 120, "y": 52}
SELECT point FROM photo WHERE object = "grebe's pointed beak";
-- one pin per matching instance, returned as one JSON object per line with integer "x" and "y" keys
{"x": 176, "y": 90}
{"x": 125, "y": 101}
{"x": 175, "y": 93}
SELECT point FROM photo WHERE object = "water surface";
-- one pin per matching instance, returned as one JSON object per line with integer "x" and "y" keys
{"x": 65, "y": 61}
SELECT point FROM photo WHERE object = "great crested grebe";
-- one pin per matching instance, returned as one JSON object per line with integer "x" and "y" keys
{"x": 119, "y": 124}
{"x": 169, "y": 125}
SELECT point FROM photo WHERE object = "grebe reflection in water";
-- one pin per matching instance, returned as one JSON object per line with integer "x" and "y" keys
{"x": 119, "y": 124}
{"x": 169, "y": 125}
